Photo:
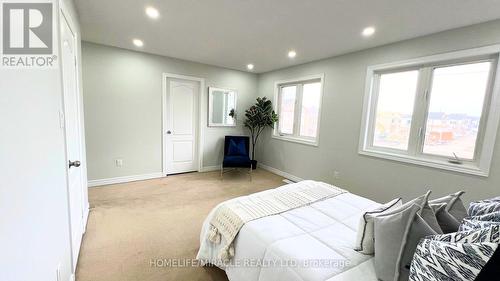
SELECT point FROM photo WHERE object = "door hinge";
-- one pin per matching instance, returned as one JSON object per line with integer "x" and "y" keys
{"x": 420, "y": 131}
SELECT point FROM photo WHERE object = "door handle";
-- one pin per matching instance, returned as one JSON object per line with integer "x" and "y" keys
{"x": 169, "y": 132}
{"x": 75, "y": 164}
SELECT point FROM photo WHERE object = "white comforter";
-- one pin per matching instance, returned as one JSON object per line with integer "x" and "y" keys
{"x": 315, "y": 242}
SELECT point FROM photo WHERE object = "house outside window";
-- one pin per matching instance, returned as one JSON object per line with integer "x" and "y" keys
{"x": 298, "y": 104}
{"x": 440, "y": 111}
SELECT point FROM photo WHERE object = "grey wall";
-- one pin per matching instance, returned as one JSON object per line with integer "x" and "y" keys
{"x": 122, "y": 97}
{"x": 343, "y": 94}
{"x": 34, "y": 215}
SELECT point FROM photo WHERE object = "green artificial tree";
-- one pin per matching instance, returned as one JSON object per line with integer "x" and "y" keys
{"x": 258, "y": 117}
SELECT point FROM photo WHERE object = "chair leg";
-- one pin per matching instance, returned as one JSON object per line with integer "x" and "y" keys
{"x": 221, "y": 171}
{"x": 250, "y": 173}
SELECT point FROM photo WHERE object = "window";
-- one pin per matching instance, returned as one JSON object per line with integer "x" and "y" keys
{"x": 434, "y": 111}
{"x": 395, "y": 109}
{"x": 298, "y": 104}
{"x": 287, "y": 109}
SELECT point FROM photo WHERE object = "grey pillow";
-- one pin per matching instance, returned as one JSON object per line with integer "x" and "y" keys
{"x": 396, "y": 236}
{"x": 428, "y": 214}
{"x": 454, "y": 205}
{"x": 364, "y": 239}
{"x": 418, "y": 230}
{"x": 447, "y": 222}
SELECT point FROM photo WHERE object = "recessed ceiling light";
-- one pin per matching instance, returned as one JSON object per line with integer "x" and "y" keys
{"x": 369, "y": 31}
{"x": 152, "y": 12}
{"x": 250, "y": 66}
{"x": 292, "y": 54}
{"x": 138, "y": 42}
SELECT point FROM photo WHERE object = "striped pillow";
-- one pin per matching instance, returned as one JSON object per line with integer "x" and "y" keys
{"x": 484, "y": 207}
{"x": 472, "y": 224}
{"x": 487, "y": 234}
{"x": 444, "y": 261}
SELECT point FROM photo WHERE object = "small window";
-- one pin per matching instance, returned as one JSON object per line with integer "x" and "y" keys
{"x": 455, "y": 110}
{"x": 298, "y": 104}
{"x": 395, "y": 104}
{"x": 309, "y": 113}
{"x": 434, "y": 111}
{"x": 287, "y": 109}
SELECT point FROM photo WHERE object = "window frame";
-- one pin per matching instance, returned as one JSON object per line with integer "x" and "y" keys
{"x": 488, "y": 124}
{"x": 299, "y": 82}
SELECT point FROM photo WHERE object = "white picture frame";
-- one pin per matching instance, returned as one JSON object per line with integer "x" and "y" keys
{"x": 220, "y": 102}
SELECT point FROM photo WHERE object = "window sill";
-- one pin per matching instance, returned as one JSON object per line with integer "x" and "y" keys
{"x": 296, "y": 140}
{"x": 466, "y": 168}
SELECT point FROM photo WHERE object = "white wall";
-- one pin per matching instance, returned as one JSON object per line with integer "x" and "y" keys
{"x": 341, "y": 113}
{"x": 34, "y": 226}
{"x": 122, "y": 97}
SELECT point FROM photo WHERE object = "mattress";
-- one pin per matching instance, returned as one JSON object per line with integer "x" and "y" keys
{"x": 314, "y": 242}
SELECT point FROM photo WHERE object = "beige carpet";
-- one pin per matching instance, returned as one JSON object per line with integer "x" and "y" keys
{"x": 134, "y": 223}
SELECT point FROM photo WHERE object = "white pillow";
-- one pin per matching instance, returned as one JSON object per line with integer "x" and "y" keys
{"x": 365, "y": 237}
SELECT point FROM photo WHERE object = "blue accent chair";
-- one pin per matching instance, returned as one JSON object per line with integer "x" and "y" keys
{"x": 236, "y": 154}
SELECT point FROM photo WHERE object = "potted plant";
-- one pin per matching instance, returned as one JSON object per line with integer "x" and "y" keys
{"x": 258, "y": 117}
{"x": 232, "y": 114}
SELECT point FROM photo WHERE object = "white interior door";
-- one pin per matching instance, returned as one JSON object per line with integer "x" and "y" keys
{"x": 73, "y": 137}
{"x": 181, "y": 112}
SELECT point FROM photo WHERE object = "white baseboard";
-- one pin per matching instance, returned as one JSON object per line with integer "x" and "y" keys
{"x": 280, "y": 173}
{"x": 210, "y": 168}
{"x": 124, "y": 179}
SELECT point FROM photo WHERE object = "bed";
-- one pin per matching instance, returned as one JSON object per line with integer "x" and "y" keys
{"x": 314, "y": 242}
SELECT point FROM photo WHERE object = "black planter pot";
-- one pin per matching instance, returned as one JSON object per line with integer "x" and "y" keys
{"x": 254, "y": 164}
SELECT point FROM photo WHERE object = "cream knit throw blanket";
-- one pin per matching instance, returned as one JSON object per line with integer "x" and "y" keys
{"x": 230, "y": 216}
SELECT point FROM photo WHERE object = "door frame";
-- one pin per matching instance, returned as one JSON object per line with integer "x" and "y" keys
{"x": 199, "y": 125}
{"x": 64, "y": 15}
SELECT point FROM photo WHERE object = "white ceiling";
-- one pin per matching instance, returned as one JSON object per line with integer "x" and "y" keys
{"x": 233, "y": 33}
